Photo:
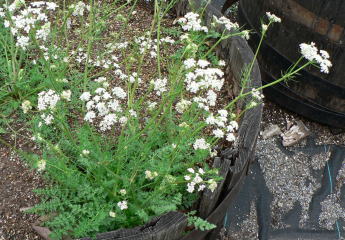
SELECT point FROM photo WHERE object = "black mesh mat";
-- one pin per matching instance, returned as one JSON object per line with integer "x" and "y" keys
{"x": 294, "y": 193}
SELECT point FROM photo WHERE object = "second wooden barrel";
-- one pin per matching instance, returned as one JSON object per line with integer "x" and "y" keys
{"x": 317, "y": 96}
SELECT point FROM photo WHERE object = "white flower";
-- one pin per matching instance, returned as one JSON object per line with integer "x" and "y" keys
{"x": 106, "y": 96}
{"x": 23, "y": 42}
{"x": 182, "y": 105}
{"x": 173, "y": 145}
{"x": 123, "y": 192}
{"x": 233, "y": 126}
{"x": 108, "y": 121}
{"x": 221, "y": 63}
{"x": 150, "y": 175}
{"x": 6, "y": 23}
{"x": 230, "y": 137}
{"x": 85, "y": 96}
{"x": 15, "y": 5}
{"x": 311, "y": 53}
{"x": 264, "y": 27}
{"x": 203, "y": 63}
{"x": 324, "y": 54}
{"x": 245, "y": 34}
{"x": 191, "y": 170}
{"x": 201, "y": 187}
{"x": 257, "y": 94}
{"x": 89, "y": 116}
{"x": 192, "y": 22}
{"x": 47, "y": 100}
{"x": 41, "y": 165}
{"x": 123, "y": 120}
{"x": 100, "y": 90}
{"x": 223, "y": 113}
{"x": 47, "y": 118}
{"x": 85, "y": 152}
{"x": 272, "y": 17}
{"x": 213, "y": 153}
{"x": 78, "y": 9}
{"x": 160, "y": 85}
{"x": 226, "y": 22}
{"x": 51, "y": 5}
{"x": 197, "y": 179}
{"x": 122, "y": 205}
{"x": 119, "y": 92}
{"x": 66, "y": 95}
{"x": 151, "y": 105}
{"x": 101, "y": 79}
{"x": 132, "y": 113}
{"x": 43, "y": 33}
{"x": 189, "y": 63}
{"x": 201, "y": 144}
{"x": 102, "y": 108}
{"x": 212, "y": 185}
{"x": 218, "y": 133}
{"x": 211, "y": 97}
{"x": 190, "y": 187}
{"x": 183, "y": 125}
{"x": 187, "y": 178}
{"x": 112, "y": 214}
{"x": 26, "y": 106}
{"x": 210, "y": 120}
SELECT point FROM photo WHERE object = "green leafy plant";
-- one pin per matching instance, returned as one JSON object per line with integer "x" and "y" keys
{"x": 126, "y": 123}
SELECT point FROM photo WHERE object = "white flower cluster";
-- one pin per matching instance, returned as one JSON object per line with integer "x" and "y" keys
{"x": 203, "y": 80}
{"x": 223, "y": 126}
{"x": 122, "y": 205}
{"x": 201, "y": 144}
{"x": 112, "y": 214}
{"x": 26, "y": 106}
{"x": 192, "y": 22}
{"x": 47, "y": 100}
{"x": 105, "y": 106}
{"x": 272, "y": 17}
{"x": 32, "y": 20}
{"x": 311, "y": 53}
{"x": 227, "y": 23}
{"x": 150, "y": 175}
{"x": 133, "y": 77}
{"x": 41, "y": 165}
{"x": 195, "y": 181}
{"x": 159, "y": 85}
{"x": 257, "y": 95}
{"x": 147, "y": 44}
{"x": 123, "y": 192}
{"x": 182, "y": 106}
{"x": 79, "y": 8}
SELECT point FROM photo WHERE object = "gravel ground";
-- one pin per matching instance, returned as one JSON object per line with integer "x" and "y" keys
{"x": 292, "y": 176}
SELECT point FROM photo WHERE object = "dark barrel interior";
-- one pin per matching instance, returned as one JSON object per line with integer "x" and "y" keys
{"x": 315, "y": 95}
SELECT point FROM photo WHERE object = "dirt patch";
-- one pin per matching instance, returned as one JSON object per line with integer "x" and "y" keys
{"x": 17, "y": 182}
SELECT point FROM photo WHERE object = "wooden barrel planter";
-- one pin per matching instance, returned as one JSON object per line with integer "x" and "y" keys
{"x": 317, "y": 96}
{"x": 233, "y": 163}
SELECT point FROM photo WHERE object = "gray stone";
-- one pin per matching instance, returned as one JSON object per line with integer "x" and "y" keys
{"x": 295, "y": 134}
{"x": 270, "y": 131}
